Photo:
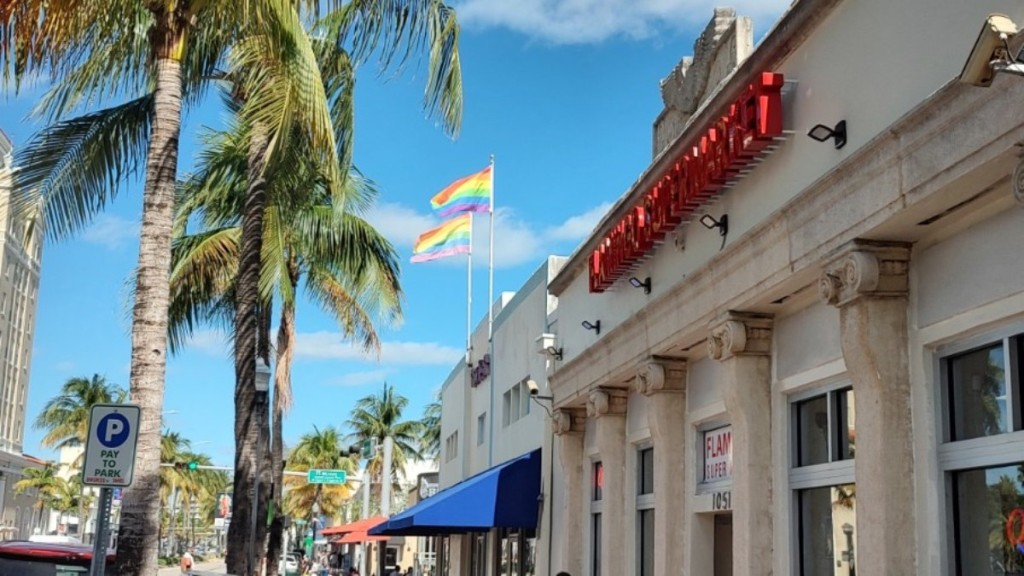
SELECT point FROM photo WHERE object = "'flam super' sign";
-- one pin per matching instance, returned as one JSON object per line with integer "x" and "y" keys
{"x": 712, "y": 161}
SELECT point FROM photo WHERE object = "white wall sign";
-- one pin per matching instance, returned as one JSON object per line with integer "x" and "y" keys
{"x": 110, "y": 448}
{"x": 718, "y": 454}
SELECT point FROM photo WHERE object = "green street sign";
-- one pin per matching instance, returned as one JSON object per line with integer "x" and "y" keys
{"x": 326, "y": 477}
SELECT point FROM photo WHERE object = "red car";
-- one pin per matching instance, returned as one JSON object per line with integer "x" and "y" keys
{"x": 39, "y": 559}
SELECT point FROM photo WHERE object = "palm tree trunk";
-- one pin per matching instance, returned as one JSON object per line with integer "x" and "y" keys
{"x": 282, "y": 398}
{"x": 246, "y": 325}
{"x": 140, "y": 517}
{"x": 266, "y": 470}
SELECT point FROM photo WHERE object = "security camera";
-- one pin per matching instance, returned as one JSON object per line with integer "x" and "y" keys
{"x": 534, "y": 388}
{"x": 995, "y": 50}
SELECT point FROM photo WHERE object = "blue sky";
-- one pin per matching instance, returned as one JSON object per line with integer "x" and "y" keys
{"x": 563, "y": 93}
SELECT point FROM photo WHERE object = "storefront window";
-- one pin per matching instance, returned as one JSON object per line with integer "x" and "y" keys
{"x": 516, "y": 553}
{"x": 824, "y": 430}
{"x": 478, "y": 554}
{"x": 828, "y": 531}
{"x": 990, "y": 520}
{"x": 978, "y": 393}
{"x": 595, "y": 545}
{"x": 598, "y": 481}
{"x": 982, "y": 387}
{"x": 645, "y": 512}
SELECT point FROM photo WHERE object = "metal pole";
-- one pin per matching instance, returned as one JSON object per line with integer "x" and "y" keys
{"x": 99, "y": 546}
{"x": 385, "y": 497}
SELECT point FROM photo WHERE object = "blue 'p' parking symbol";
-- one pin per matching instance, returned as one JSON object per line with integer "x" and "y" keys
{"x": 113, "y": 430}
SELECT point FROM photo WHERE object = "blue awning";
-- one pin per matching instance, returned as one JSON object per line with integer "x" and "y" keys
{"x": 505, "y": 496}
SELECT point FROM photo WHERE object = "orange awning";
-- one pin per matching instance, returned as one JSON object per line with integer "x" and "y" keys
{"x": 357, "y": 526}
{"x": 359, "y": 537}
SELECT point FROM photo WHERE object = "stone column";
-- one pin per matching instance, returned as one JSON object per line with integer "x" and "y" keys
{"x": 664, "y": 383}
{"x": 742, "y": 343}
{"x": 568, "y": 425}
{"x": 868, "y": 282}
{"x": 608, "y": 407}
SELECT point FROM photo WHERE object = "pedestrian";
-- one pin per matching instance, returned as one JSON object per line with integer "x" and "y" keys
{"x": 186, "y": 562}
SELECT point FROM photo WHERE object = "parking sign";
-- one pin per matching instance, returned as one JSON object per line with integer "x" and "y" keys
{"x": 110, "y": 448}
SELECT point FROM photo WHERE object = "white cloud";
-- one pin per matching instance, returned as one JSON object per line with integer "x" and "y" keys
{"x": 111, "y": 231}
{"x": 326, "y": 345}
{"x": 592, "y": 21}
{"x": 399, "y": 223}
{"x": 516, "y": 241}
{"x": 355, "y": 379}
{"x": 579, "y": 226}
{"x": 64, "y": 366}
{"x": 210, "y": 342}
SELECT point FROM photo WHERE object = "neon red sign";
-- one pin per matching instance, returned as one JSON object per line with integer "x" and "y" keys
{"x": 712, "y": 161}
{"x": 1015, "y": 529}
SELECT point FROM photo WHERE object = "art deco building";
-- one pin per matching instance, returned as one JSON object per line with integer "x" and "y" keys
{"x": 19, "y": 287}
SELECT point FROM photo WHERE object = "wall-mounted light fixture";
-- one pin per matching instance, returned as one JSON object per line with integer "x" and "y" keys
{"x": 554, "y": 353}
{"x": 722, "y": 223}
{"x": 823, "y": 133}
{"x": 638, "y": 283}
{"x": 595, "y": 325}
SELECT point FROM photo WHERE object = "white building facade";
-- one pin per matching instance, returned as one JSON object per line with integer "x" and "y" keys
{"x": 489, "y": 419}
{"x": 19, "y": 288}
{"x": 824, "y": 378}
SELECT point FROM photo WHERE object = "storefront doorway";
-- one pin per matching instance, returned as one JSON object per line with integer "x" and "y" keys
{"x": 723, "y": 544}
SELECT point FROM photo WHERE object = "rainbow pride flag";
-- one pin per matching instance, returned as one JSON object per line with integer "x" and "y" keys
{"x": 450, "y": 238}
{"x": 469, "y": 194}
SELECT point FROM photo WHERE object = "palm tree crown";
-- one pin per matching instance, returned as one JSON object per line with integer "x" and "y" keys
{"x": 378, "y": 416}
{"x": 66, "y": 416}
{"x": 321, "y": 449}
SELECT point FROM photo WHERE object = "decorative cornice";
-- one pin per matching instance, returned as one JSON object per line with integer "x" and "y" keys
{"x": 606, "y": 401}
{"x": 864, "y": 268}
{"x": 568, "y": 420}
{"x": 740, "y": 334}
{"x": 659, "y": 375}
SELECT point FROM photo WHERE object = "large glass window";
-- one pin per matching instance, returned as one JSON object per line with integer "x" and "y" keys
{"x": 824, "y": 435}
{"x": 982, "y": 385}
{"x": 828, "y": 536}
{"x": 516, "y": 552}
{"x": 478, "y": 554}
{"x": 595, "y": 545}
{"x": 977, "y": 388}
{"x": 645, "y": 512}
{"x": 597, "y": 494}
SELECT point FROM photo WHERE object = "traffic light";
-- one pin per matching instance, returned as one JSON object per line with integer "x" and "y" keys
{"x": 191, "y": 465}
{"x": 368, "y": 448}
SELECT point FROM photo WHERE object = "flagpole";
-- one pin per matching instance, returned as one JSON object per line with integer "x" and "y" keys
{"x": 469, "y": 296}
{"x": 490, "y": 261}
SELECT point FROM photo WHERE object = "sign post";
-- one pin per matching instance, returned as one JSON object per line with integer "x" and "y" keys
{"x": 109, "y": 463}
{"x": 327, "y": 477}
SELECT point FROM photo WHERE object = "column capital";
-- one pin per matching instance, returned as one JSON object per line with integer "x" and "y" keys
{"x": 606, "y": 402}
{"x": 656, "y": 374}
{"x": 865, "y": 268}
{"x": 568, "y": 420}
{"x": 740, "y": 334}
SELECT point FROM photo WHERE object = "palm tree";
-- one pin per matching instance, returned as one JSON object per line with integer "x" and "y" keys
{"x": 321, "y": 449}
{"x": 43, "y": 481}
{"x": 430, "y": 432}
{"x": 65, "y": 417}
{"x": 379, "y": 416}
{"x": 160, "y": 53}
{"x": 345, "y": 266}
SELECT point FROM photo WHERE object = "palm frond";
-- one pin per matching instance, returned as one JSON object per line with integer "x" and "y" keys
{"x": 71, "y": 170}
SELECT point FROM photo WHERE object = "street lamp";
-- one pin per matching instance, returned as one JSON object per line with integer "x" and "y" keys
{"x": 848, "y": 553}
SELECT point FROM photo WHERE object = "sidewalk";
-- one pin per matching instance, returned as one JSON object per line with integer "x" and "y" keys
{"x": 216, "y": 567}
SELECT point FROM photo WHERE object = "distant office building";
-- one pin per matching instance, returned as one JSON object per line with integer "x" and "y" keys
{"x": 19, "y": 286}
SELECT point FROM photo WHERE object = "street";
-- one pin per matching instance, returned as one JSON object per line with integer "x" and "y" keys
{"x": 200, "y": 569}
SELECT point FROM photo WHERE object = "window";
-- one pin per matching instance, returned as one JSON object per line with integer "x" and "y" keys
{"x": 506, "y": 405}
{"x": 478, "y": 554}
{"x": 451, "y": 446}
{"x": 981, "y": 455}
{"x": 822, "y": 475}
{"x": 596, "y": 495}
{"x": 645, "y": 512}
{"x": 516, "y": 552}
{"x": 481, "y": 428}
{"x": 516, "y": 399}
